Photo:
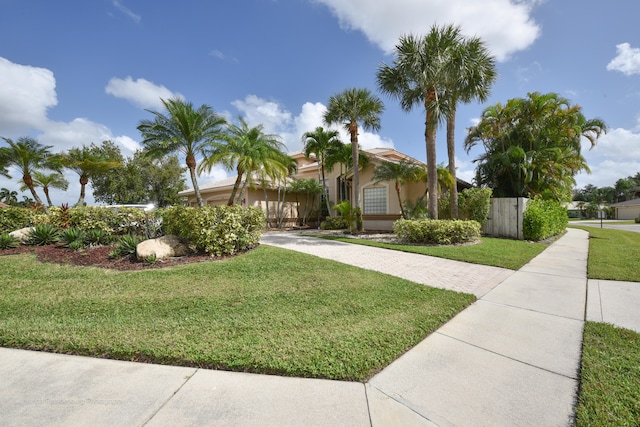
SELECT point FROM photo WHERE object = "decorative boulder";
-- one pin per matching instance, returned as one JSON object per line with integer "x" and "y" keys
{"x": 162, "y": 247}
{"x": 22, "y": 234}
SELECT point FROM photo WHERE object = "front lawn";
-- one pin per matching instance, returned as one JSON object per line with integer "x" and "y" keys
{"x": 610, "y": 377}
{"x": 268, "y": 311}
{"x": 505, "y": 253}
{"x": 613, "y": 254}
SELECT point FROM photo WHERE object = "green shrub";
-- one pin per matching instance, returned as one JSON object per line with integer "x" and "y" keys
{"x": 112, "y": 221}
{"x": 43, "y": 234}
{"x": 436, "y": 232}
{"x": 7, "y": 241}
{"x": 544, "y": 219}
{"x": 474, "y": 204}
{"x": 71, "y": 235}
{"x": 126, "y": 246}
{"x": 334, "y": 223}
{"x": 216, "y": 230}
{"x": 637, "y": 220}
{"x": 96, "y": 237}
{"x": 14, "y": 218}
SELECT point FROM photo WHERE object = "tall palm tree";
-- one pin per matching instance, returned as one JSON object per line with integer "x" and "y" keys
{"x": 351, "y": 108}
{"x": 420, "y": 75}
{"x": 247, "y": 150}
{"x": 183, "y": 130}
{"x": 87, "y": 163}
{"x": 341, "y": 154}
{"x": 398, "y": 172}
{"x": 320, "y": 142}
{"x": 47, "y": 181}
{"x": 28, "y": 155}
{"x": 471, "y": 78}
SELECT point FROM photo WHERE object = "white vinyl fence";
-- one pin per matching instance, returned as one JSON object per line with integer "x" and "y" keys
{"x": 505, "y": 218}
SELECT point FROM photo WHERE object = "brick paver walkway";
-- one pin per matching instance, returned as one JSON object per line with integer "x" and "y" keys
{"x": 437, "y": 272}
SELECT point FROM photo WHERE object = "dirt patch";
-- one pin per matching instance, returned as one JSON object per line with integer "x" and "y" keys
{"x": 99, "y": 257}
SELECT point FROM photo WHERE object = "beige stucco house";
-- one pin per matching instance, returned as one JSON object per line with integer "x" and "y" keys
{"x": 629, "y": 209}
{"x": 378, "y": 200}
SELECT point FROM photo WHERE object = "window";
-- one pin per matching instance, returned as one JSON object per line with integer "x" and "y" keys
{"x": 375, "y": 200}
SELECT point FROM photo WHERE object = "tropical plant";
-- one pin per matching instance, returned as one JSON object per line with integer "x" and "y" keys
{"x": 424, "y": 69}
{"x": 126, "y": 246}
{"x": 7, "y": 196}
{"x": 70, "y": 235}
{"x": 341, "y": 155}
{"x": 27, "y": 155}
{"x": 532, "y": 146}
{"x": 399, "y": 173}
{"x": 183, "y": 130}
{"x": 43, "y": 234}
{"x": 7, "y": 241}
{"x": 349, "y": 213}
{"x": 353, "y": 108}
{"x": 248, "y": 150}
{"x": 96, "y": 237}
{"x": 320, "y": 143}
{"x": 47, "y": 181}
{"x": 87, "y": 163}
{"x": 309, "y": 188}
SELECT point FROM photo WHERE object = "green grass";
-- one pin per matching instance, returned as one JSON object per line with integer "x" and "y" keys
{"x": 613, "y": 254}
{"x": 268, "y": 311}
{"x": 506, "y": 253}
{"x": 610, "y": 377}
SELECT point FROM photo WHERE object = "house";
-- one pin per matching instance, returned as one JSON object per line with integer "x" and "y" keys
{"x": 629, "y": 209}
{"x": 378, "y": 200}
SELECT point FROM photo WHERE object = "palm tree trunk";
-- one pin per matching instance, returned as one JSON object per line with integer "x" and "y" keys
{"x": 324, "y": 191}
{"x": 83, "y": 182}
{"x": 46, "y": 193}
{"x": 29, "y": 183}
{"x": 236, "y": 185}
{"x": 432, "y": 168}
{"x": 353, "y": 130}
{"x": 400, "y": 201}
{"x": 451, "y": 151}
{"x": 191, "y": 164}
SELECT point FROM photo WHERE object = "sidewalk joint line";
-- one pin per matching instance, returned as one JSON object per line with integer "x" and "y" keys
{"x": 186, "y": 380}
{"x": 508, "y": 357}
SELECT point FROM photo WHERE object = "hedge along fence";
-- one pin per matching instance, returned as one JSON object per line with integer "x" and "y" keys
{"x": 216, "y": 230}
{"x": 544, "y": 219}
{"x": 436, "y": 232}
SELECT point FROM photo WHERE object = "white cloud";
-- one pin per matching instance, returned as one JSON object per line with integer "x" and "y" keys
{"x": 617, "y": 155}
{"x": 26, "y": 93}
{"x": 506, "y": 26}
{"x": 141, "y": 92}
{"x": 277, "y": 120}
{"x": 627, "y": 61}
{"x": 126, "y": 11}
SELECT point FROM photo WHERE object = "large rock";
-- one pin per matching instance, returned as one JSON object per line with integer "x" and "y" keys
{"x": 22, "y": 234}
{"x": 162, "y": 247}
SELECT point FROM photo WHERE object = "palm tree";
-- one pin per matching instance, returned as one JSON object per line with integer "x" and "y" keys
{"x": 341, "y": 154}
{"x": 350, "y": 108}
{"x": 7, "y": 196}
{"x": 28, "y": 155}
{"x": 247, "y": 150}
{"x": 532, "y": 146}
{"x": 87, "y": 163}
{"x": 320, "y": 142}
{"x": 420, "y": 75}
{"x": 184, "y": 130}
{"x": 400, "y": 173}
{"x": 472, "y": 78}
{"x": 52, "y": 180}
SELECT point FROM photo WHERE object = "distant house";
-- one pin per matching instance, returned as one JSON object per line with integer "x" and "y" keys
{"x": 629, "y": 209}
{"x": 379, "y": 201}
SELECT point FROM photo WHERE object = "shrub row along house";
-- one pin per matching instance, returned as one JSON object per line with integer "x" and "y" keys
{"x": 379, "y": 200}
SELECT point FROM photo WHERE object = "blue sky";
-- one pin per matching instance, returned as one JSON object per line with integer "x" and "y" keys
{"x": 78, "y": 71}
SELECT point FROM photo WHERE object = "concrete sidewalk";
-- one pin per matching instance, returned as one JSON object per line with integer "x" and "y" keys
{"x": 511, "y": 358}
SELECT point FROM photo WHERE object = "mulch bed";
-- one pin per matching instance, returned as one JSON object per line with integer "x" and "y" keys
{"x": 99, "y": 257}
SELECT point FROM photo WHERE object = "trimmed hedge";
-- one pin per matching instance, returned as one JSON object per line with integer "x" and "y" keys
{"x": 216, "y": 230}
{"x": 334, "y": 223}
{"x": 436, "y": 232}
{"x": 544, "y": 219}
{"x": 112, "y": 221}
